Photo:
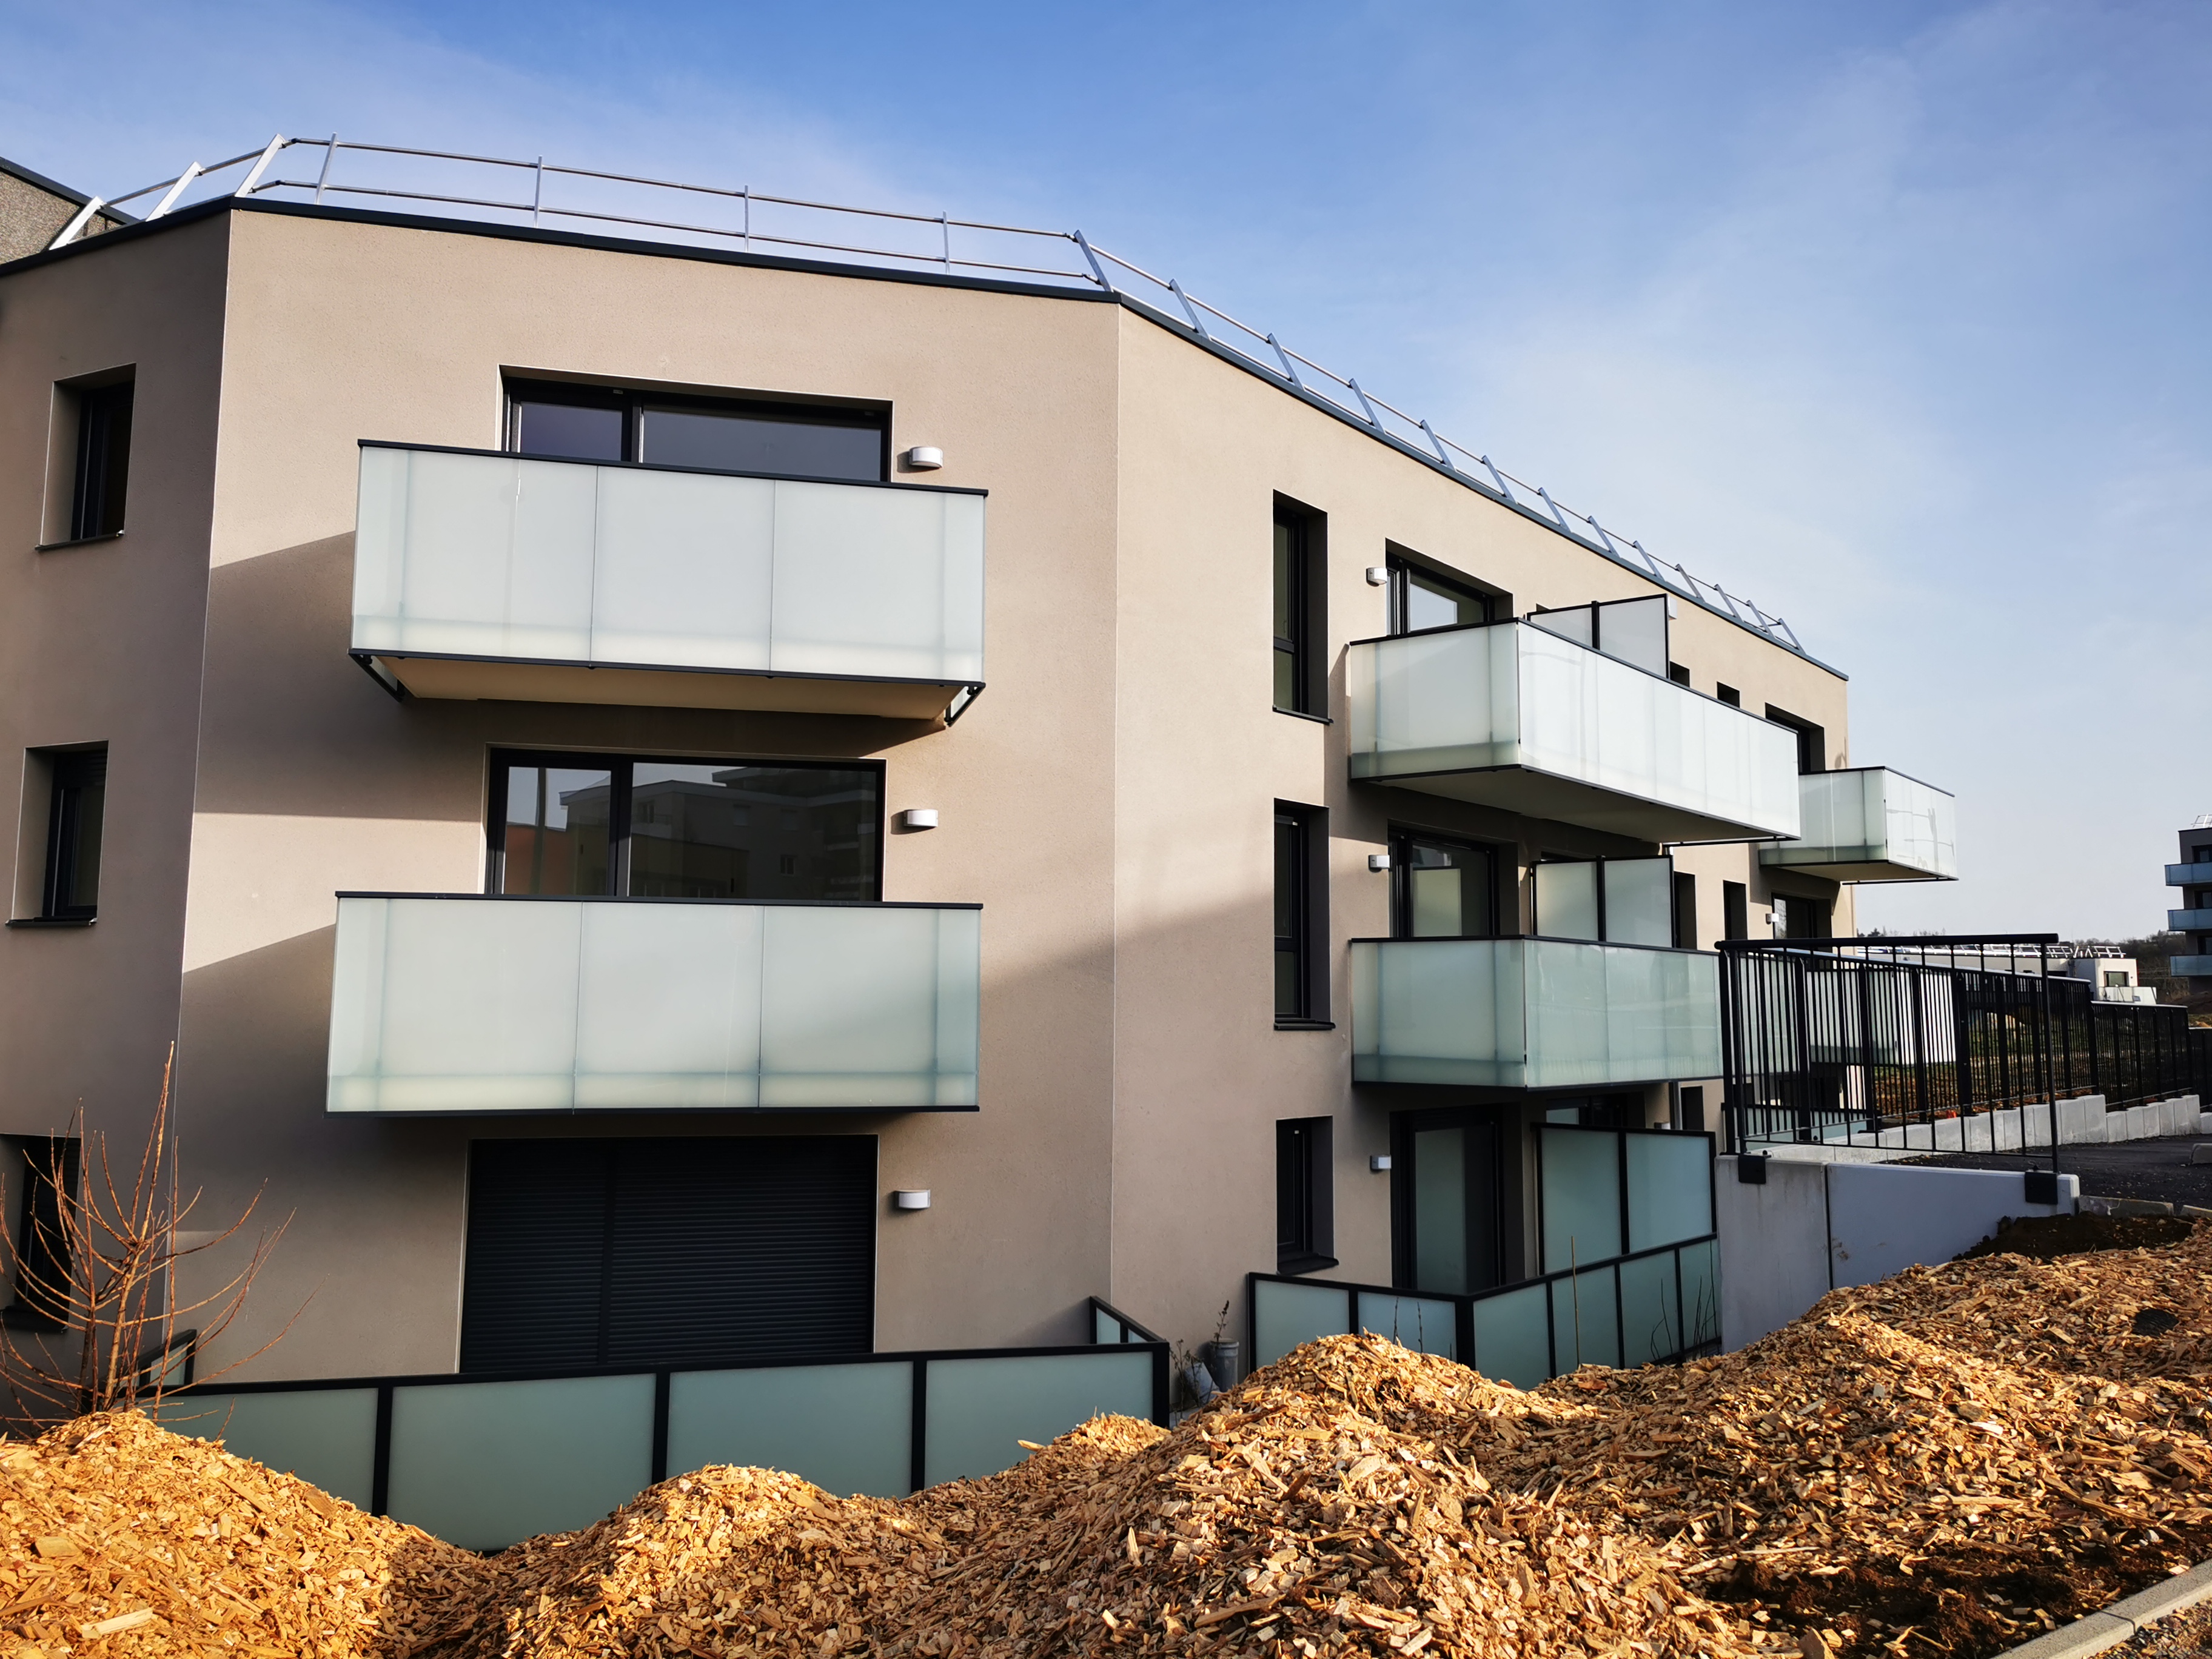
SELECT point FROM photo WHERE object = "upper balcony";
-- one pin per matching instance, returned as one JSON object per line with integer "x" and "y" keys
{"x": 1869, "y": 823}
{"x": 2188, "y": 875}
{"x": 479, "y": 574}
{"x": 1510, "y": 715}
{"x": 2189, "y": 921}
{"x": 495, "y": 1004}
{"x": 1532, "y": 1014}
{"x": 2189, "y": 967}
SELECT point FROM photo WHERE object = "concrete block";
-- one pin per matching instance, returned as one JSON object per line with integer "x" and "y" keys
{"x": 1890, "y": 1138}
{"x": 1950, "y": 1134}
{"x": 1883, "y": 1218}
{"x": 2100, "y": 1632}
{"x": 2204, "y": 1123}
{"x": 2101, "y": 1205}
{"x": 1774, "y": 1246}
{"x": 2201, "y": 1154}
{"x": 1979, "y": 1133}
{"x": 2142, "y": 1123}
{"x": 2005, "y": 1130}
{"x": 2192, "y": 1212}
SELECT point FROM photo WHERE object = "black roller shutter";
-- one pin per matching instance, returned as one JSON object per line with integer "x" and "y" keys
{"x": 663, "y": 1252}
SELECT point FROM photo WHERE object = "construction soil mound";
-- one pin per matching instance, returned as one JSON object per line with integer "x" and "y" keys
{"x": 2047, "y": 1237}
{"x": 1946, "y": 1463}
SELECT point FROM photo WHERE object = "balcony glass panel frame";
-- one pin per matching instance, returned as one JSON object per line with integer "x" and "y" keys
{"x": 480, "y": 574}
{"x": 1868, "y": 825}
{"x": 492, "y": 1005}
{"x": 1532, "y": 1012}
{"x": 1508, "y": 714}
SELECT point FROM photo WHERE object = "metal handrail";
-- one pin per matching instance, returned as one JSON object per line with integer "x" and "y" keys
{"x": 1257, "y": 348}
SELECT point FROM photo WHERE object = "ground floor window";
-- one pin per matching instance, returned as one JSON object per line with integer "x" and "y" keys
{"x": 676, "y": 1250}
{"x": 1305, "y": 1230}
{"x": 1447, "y": 1198}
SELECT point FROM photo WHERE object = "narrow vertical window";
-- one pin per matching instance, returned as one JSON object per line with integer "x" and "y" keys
{"x": 1685, "y": 912}
{"x": 1301, "y": 979}
{"x": 1301, "y": 538}
{"x": 74, "y": 823}
{"x": 1735, "y": 911}
{"x": 1442, "y": 887}
{"x": 103, "y": 461}
{"x": 39, "y": 1172}
{"x": 1422, "y": 598}
{"x": 1304, "y": 1220}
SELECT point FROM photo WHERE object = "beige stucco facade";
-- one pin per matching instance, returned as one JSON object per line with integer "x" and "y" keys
{"x": 1108, "y": 799}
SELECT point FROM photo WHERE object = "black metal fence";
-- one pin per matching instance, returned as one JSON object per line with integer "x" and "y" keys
{"x": 1828, "y": 1039}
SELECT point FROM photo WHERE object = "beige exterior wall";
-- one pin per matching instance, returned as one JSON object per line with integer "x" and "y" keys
{"x": 1108, "y": 800}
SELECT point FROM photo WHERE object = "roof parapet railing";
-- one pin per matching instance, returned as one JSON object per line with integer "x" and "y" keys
{"x": 1092, "y": 267}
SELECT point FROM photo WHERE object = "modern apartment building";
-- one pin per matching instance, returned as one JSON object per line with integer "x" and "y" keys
{"x": 2193, "y": 875}
{"x": 613, "y": 758}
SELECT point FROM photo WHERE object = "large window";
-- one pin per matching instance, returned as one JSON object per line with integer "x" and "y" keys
{"x": 1442, "y": 887}
{"x": 36, "y": 1173}
{"x": 1301, "y": 561}
{"x": 685, "y": 828}
{"x": 101, "y": 477}
{"x": 1301, "y": 917}
{"x": 788, "y": 440}
{"x": 77, "y": 812}
{"x": 1812, "y": 740}
{"x": 1421, "y": 597}
{"x": 1305, "y": 1220}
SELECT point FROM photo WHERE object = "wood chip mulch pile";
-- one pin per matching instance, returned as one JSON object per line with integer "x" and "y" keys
{"x": 1943, "y": 1464}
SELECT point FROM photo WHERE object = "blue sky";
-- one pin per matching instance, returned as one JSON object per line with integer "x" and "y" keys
{"x": 1893, "y": 317}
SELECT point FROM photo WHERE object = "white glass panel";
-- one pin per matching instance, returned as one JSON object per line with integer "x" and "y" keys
{"x": 327, "y": 1437}
{"x": 849, "y": 1429}
{"x": 1635, "y": 631}
{"x": 1512, "y": 1339}
{"x": 1896, "y": 825}
{"x": 474, "y": 1007}
{"x": 1601, "y": 1015}
{"x": 684, "y": 569}
{"x": 493, "y": 556}
{"x": 1566, "y": 901}
{"x": 1439, "y": 911}
{"x": 1639, "y": 900}
{"x": 669, "y": 1007}
{"x": 1701, "y": 1294}
{"x": 1670, "y": 1195}
{"x": 849, "y": 1007}
{"x": 484, "y": 1465}
{"x": 867, "y": 581}
{"x": 1286, "y": 1317}
{"x": 1581, "y": 1186}
{"x": 1421, "y": 1323}
{"x": 1439, "y": 1011}
{"x": 1433, "y": 702}
{"x": 978, "y": 1409}
{"x": 1651, "y": 1308}
{"x": 1585, "y": 1329}
{"x": 1572, "y": 623}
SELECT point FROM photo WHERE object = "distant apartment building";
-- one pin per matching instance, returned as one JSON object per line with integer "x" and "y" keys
{"x": 611, "y": 758}
{"x": 2193, "y": 876}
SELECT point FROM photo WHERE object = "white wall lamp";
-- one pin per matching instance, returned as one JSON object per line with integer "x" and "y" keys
{"x": 917, "y": 818}
{"x": 1378, "y": 575}
{"x": 1378, "y": 862}
{"x": 911, "y": 1198}
{"x": 923, "y": 457}
{"x": 1380, "y": 1163}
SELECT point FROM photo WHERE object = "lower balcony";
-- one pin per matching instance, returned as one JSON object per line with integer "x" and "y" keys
{"x": 492, "y": 1004}
{"x": 1532, "y": 1014}
{"x": 2188, "y": 875}
{"x": 1870, "y": 824}
{"x": 2189, "y": 967}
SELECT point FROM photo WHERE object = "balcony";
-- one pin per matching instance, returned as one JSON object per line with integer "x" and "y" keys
{"x": 486, "y": 575}
{"x": 485, "y": 1004}
{"x": 2189, "y": 921}
{"x": 2189, "y": 875}
{"x": 2189, "y": 967}
{"x": 1870, "y": 824}
{"x": 1511, "y": 716}
{"x": 1532, "y": 1014}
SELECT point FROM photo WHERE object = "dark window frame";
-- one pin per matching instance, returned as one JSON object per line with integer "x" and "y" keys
{"x": 99, "y": 470}
{"x": 1735, "y": 910}
{"x": 1399, "y": 563}
{"x": 633, "y": 403}
{"x": 1401, "y": 877}
{"x": 1489, "y": 1187}
{"x": 1728, "y": 695}
{"x": 41, "y": 1243}
{"x": 1812, "y": 740}
{"x": 1307, "y": 606}
{"x": 71, "y": 773}
{"x": 1686, "y": 910}
{"x": 619, "y": 821}
{"x": 1301, "y": 859}
{"x": 1305, "y": 1194}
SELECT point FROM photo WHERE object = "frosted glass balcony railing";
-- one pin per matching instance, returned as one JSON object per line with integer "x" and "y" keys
{"x": 494, "y": 1004}
{"x": 2188, "y": 875}
{"x": 2189, "y": 967}
{"x": 1531, "y": 1013}
{"x": 1510, "y": 716}
{"x": 2189, "y": 921}
{"x": 486, "y": 575}
{"x": 1870, "y": 823}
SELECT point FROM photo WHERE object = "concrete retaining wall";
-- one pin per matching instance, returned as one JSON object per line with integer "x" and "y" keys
{"x": 1813, "y": 1226}
{"x": 2082, "y": 1121}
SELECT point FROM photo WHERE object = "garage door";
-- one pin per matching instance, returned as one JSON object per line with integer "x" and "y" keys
{"x": 668, "y": 1252}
